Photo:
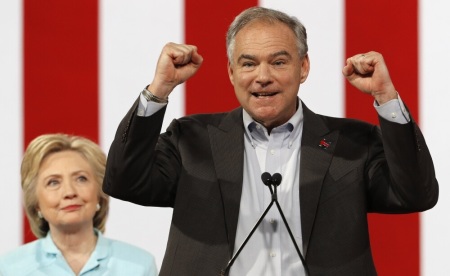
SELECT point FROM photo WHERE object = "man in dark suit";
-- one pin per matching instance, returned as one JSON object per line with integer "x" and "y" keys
{"x": 208, "y": 167}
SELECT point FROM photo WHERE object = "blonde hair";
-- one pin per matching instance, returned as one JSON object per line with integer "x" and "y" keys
{"x": 41, "y": 147}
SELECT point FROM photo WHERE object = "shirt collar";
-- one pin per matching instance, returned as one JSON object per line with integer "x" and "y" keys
{"x": 101, "y": 249}
{"x": 100, "y": 252}
{"x": 50, "y": 252}
{"x": 293, "y": 125}
{"x": 48, "y": 246}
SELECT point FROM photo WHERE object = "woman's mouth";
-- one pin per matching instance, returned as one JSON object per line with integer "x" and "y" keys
{"x": 71, "y": 207}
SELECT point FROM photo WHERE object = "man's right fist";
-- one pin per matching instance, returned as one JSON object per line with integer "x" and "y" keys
{"x": 176, "y": 64}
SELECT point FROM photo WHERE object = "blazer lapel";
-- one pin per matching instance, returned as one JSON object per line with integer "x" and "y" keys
{"x": 317, "y": 148}
{"x": 227, "y": 145}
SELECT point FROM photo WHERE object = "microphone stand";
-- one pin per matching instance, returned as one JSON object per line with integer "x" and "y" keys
{"x": 230, "y": 263}
{"x": 274, "y": 200}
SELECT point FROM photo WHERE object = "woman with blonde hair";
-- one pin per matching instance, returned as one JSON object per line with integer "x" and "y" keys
{"x": 67, "y": 211}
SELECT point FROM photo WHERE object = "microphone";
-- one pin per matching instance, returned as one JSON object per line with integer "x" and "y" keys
{"x": 276, "y": 179}
{"x": 267, "y": 178}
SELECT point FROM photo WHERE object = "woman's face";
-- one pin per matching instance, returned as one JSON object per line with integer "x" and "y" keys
{"x": 67, "y": 192}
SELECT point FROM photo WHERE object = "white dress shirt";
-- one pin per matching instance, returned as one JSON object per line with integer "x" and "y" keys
{"x": 270, "y": 251}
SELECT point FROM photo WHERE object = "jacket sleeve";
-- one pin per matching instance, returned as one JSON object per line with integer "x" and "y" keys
{"x": 142, "y": 165}
{"x": 400, "y": 173}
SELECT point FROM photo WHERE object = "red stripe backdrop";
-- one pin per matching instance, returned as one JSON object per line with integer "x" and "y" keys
{"x": 60, "y": 70}
{"x": 394, "y": 239}
{"x": 206, "y": 23}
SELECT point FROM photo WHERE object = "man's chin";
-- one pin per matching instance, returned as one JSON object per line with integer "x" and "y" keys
{"x": 264, "y": 118}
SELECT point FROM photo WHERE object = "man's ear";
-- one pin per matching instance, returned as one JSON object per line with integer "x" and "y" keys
{"x": 305, "y": 68}
{"x": 230, "y": 72}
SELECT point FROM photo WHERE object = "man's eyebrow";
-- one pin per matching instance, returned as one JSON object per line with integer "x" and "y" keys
{"x": 245, "y": 56}
{"x": 276, "y": 54}
{"x": 281, "y": 53}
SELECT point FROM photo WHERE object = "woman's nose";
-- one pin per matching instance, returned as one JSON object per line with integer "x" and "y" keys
{"x": 69, "y": 190}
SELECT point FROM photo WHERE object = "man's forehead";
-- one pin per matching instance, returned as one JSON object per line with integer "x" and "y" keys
{"x": 264, "y": 32}
{"x": 259, "y": 23}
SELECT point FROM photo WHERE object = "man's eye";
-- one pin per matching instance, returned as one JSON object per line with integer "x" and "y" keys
{"x": 279, "y": 62}
{"x": 247, "y": 64}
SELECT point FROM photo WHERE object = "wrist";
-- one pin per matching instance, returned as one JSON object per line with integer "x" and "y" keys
{"x": 150, "y": 97}
{"x": 382, "y": 98}
{"x": 160, "y": 90}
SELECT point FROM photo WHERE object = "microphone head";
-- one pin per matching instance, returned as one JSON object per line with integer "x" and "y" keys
{"x": 276, "y": 178}
{"x": 266, "y": 178}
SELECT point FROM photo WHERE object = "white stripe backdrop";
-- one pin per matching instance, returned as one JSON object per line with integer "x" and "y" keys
{"x": 11, "y": 121}
{"x": 132, "y": 35}
{"x": 131, "y": 38}
{"x": 434, "y": 101}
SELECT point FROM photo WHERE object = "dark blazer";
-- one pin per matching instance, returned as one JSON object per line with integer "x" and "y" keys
{"x": 196, "y": 167}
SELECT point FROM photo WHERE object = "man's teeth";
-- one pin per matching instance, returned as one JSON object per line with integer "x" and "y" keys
{"x": 263, "y": 94}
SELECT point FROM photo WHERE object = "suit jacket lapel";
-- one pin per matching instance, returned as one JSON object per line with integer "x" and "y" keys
{"x": 227, "y": 144}
{"x": 318, "y": 143}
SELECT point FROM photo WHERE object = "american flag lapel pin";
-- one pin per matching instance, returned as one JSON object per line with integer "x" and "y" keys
{"x": 324, "y": 144}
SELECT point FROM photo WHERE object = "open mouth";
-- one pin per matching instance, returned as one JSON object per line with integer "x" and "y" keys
{"x": 264, "y": 94}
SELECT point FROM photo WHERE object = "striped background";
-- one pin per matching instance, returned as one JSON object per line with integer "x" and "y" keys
{"x": 77, "y": 66}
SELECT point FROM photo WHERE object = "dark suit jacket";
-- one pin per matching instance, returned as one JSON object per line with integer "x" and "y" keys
{"x": 196, "y": 167}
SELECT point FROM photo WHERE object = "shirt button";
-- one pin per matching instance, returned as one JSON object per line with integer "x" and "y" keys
{"x": 271, "y": 221}
{"x": 393, "y": 115}
{"x": 272, "y": 152}
{"x": 273, "y": 254}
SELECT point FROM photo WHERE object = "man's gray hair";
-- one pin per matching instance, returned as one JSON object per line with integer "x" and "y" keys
{"x": 267, "y": 15}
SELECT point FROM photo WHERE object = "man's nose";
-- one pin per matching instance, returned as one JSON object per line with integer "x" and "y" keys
{"x": 264, "y": 77}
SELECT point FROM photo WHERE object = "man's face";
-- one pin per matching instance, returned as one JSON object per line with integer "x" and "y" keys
{"x": 266, "y": 71}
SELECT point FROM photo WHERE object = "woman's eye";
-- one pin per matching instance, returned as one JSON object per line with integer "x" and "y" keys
{"x": 52, "y": 183}
{"x": 82, "y": 178}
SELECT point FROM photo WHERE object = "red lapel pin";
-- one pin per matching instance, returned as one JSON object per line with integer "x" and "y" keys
{"x": 324, "y": 143}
